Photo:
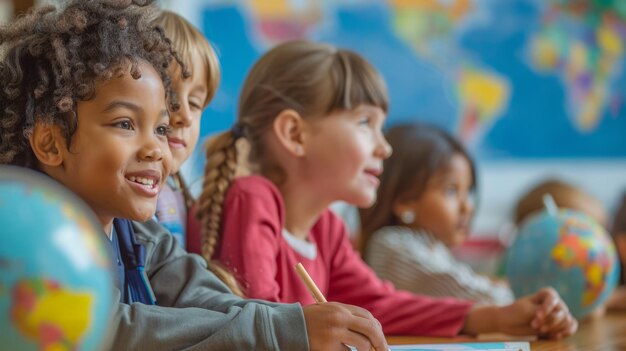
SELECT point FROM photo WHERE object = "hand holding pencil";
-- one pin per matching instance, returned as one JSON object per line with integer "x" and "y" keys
{"x": 332, "y": 326}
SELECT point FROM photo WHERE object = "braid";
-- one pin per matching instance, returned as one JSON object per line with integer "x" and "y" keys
{"x": 218, "y": 174}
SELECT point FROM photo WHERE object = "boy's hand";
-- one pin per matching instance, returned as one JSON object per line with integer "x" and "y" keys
{"x": 542, "y": 313}
{"x": 331, "y": 326}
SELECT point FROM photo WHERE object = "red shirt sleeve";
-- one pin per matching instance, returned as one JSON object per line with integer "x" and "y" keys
{"x": 399, "y": 312}
{"x": 251, "y": 229}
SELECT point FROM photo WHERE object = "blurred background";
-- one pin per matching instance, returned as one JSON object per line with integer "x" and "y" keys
{"x": 534, "y": 88}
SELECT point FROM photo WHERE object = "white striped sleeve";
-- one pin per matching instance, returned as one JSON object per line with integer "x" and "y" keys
{"x": 417, "y": 263}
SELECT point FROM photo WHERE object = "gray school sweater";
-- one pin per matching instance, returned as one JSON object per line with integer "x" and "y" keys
{"x": 196, "y": 311}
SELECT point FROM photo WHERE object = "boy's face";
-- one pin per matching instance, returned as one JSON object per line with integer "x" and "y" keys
{"x": 119, "y": 159}
{"x": 185, "y": 123}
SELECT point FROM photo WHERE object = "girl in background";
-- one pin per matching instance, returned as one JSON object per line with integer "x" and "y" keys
{"x": 194, "y": 88}
{"x": 424, "y": 209}
{"x": 313, "y": 116}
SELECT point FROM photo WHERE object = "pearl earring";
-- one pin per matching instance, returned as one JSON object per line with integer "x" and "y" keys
{"x": 407, "y": 217}
{"x": 299, "y": 150}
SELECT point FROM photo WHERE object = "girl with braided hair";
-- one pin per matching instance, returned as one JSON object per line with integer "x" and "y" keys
{"x": 84, "y": 101}
{"x": 313, "y": 116}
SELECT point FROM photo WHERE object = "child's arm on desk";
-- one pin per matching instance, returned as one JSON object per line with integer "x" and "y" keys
{"x": 542, "y": 314}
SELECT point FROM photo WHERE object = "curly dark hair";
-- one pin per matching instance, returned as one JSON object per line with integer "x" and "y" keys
{"x": 51, "y": 59}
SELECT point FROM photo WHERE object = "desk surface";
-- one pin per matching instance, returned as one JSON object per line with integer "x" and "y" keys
{"x": 607, "y": 333}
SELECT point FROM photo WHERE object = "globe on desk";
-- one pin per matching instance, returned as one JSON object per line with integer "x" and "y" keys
{"x": 55, "y": 277}
{"x": 568, "y": 251}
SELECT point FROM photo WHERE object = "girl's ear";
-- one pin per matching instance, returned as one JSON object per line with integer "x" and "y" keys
{"x": 288, "y": 127}
{"x": 46, "y": 142}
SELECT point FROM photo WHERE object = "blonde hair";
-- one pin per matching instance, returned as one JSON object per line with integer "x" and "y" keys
{"x": 565, "y": 195}
{"x": 313, "y": 79}
{"x": 187, "y": 41}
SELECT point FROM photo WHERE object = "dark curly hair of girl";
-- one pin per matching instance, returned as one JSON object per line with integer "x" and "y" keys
{"x": 50, "y": 59}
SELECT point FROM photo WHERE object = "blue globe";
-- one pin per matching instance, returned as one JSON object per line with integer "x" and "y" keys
{"x": 55, "y": 276}
{"x": 568, "y": 251}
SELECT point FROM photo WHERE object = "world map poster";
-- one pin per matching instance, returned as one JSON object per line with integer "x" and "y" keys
{"x": 515, "y": 79}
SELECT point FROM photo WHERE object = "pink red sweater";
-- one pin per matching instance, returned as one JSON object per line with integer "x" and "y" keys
{"x": 253, "y": 247}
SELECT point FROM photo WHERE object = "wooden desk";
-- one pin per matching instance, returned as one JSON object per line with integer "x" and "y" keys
{"x": 607, "y": 333}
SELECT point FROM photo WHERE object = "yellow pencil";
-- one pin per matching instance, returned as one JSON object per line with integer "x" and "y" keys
{"x": 310, "y": 284}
